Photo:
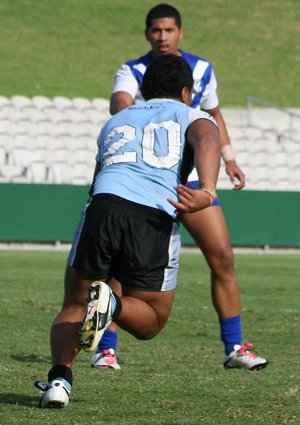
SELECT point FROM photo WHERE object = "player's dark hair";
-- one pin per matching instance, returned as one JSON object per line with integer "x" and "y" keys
{"x": 166, "y": 76}
{"x": 163, "y": 10}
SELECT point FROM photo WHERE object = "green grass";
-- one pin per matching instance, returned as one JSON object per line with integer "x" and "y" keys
{"x": 74, "y": 47}
{"x": 175, "y": 379}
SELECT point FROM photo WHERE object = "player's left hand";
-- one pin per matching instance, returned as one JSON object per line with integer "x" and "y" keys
{"x": 236, "y": 175}
{"x": 190, "y": 200}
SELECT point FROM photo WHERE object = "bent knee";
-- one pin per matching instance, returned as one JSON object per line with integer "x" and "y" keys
{"x": 146, "y": 335}
{"x": 221, "y": 259}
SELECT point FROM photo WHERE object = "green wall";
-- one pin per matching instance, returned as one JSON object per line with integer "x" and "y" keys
{"x": 50, "y": 213}
{"x": 40, "y": 213}
{"x": 258, "y": 218}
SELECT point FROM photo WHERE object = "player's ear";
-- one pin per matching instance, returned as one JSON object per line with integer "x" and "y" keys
{"x": 146, "y": 34}
{"x": 186, "y": 96}
{"x": 181, "y": 33}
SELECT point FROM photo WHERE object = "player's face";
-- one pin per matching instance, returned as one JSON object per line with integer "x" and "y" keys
{"x": 164, "y": 36}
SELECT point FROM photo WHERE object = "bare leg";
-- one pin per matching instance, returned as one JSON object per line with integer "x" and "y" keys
{"x": 209, "y": 230}
{"x": 144, "y": 314}
{"x": 64, "y": 336}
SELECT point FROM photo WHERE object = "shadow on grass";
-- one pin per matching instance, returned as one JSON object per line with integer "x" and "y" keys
{"x": 22, "y": 400}
{"x": 31, "y": 358}
{"x": 19, "y": 399}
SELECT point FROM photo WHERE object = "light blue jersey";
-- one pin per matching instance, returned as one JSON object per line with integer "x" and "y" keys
{"x": 141, "y": 152}
{"x": 129, "y": 78}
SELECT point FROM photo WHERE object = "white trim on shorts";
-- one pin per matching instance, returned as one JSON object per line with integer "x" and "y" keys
{"x": 171, "y": 271}
{"x": 76, "y": 238}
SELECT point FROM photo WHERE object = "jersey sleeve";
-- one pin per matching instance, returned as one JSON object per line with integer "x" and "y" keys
{"x": 125, "y": 81}
{"x": 196, "y": 114}
{"x": 210, "y": 98}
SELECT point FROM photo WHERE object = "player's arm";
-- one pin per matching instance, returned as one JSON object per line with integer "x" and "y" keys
{"x": 203, "y": 137}
{"x": 236, "y": 175}
{"x": 119, "y": 100}
{"x": 124, "y": 90}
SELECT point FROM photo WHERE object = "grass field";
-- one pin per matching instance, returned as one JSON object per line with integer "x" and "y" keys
{"x": 175, "y": 379}
{"x": 74, "y": 47}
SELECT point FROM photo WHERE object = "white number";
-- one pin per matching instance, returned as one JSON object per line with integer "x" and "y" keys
{"x": 126, "y": 133}
{"x": 173, "y": 135}
{"x": 110, "y": 157}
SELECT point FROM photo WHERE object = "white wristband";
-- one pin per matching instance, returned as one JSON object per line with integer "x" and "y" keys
{"x": 227, "y": 153}
{"x": 211, "y": 193}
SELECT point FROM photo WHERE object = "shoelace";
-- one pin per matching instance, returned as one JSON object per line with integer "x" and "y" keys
{"x": 244, "y": 350}
{"x": 110, "y": 358}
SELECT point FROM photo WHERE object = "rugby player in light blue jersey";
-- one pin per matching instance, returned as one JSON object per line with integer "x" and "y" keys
{"x": 129, "y": 228}
{"x": 207, "y": 227}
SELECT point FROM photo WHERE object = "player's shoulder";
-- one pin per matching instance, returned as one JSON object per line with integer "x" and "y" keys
{"x": 198, "y": 114}
{"x": 143, "y": 60}
{"x": 193, "y": 59}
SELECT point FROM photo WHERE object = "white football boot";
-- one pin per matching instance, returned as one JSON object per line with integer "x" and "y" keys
{"x": 106, "y": 359}
{"x": 241, "y": 357}
{"x": 54, "y": 394}
{"x": 98, "y": 316}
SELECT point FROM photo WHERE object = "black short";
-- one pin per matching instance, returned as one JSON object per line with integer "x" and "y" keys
{"x": 136, "y": 244}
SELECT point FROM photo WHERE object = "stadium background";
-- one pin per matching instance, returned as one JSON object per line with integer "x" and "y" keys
{"x": 73, "y": 49}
